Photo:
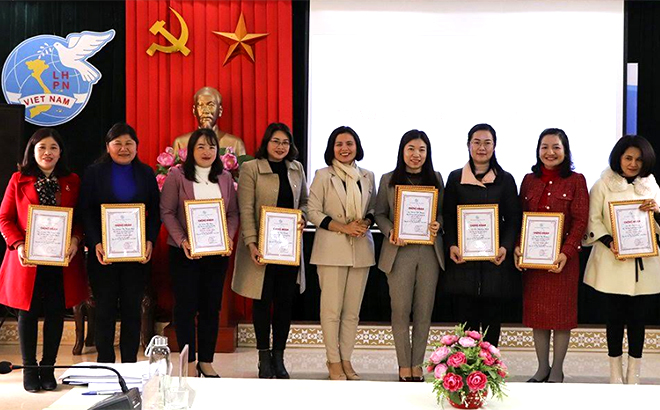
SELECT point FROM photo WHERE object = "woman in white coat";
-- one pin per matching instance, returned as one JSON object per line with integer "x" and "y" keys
{"x": 341, "y": 204}
{"x": 626, "y": 284}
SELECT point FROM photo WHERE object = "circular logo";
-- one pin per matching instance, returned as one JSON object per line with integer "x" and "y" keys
{"x": 51, "y": 76}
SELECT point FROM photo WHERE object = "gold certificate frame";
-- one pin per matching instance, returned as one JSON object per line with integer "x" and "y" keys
{"x": 122, "y": 224}
{"x": 273, "y": 220}
{"x": 48, "y": 235}
{"x": 212, "y": 238}
{"x": 481, "y": 240}
{"x": 633, "y": 230}
{"x": 540, "y": 239}
{"x": 413, "y": 202}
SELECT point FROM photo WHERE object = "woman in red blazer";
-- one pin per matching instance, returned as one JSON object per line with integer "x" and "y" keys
{"x": 550, "y": 297}
{"x": 197, "y": 281}
{"x": 43, "y": 179}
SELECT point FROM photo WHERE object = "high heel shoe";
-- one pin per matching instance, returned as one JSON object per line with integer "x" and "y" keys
{"x": 350, "y": 373}
{"x": 543, "y": 380}
{"x": 47, "y": 379}
{"x": 200, "y": 373}
{"x": 336, "y": 371}
{"x": 418, "y": 378}
{"x": 405, "y": 378}
{"x": 31, "y": 381}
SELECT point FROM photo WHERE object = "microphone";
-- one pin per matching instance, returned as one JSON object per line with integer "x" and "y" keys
{"x": 128, "y": 399}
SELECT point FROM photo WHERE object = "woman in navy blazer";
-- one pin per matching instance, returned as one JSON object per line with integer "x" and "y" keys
{"x": 197, "y": 281}
{"x": 118, "y": 177}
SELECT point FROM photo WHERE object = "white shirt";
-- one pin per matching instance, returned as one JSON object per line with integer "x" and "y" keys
{"x": 205, "y": 189}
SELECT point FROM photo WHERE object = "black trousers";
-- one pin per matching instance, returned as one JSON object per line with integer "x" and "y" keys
{"x": 279, "y": 289}
{"x": 118, "y": 288}
{"x": 481, "y": 314}
{"x": 622, "y": 311}
{"x": 197, "y": 286}
{"x": 47, "y": 298}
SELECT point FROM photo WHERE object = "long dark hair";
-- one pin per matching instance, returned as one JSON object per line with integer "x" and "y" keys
{"x": 329, "y": 154}
{"x": 116, "y": 131}
{"x": 493, "y": 164}
{"x": 189, "y": 164}
{"x": 262, "y": 152}
{"x": 639, "y": 142}
{"x": 29, "y": 164}
{"x": 428, "y": 173}
{"x": 566, "y": 167}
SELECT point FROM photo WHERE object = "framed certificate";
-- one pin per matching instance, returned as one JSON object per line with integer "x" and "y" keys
{"x": 478, "y": 231}
{"x": 540, "y": 239}
{"x": 123, "y": 232}
{"x": 415, "y": 209}
{"x": 633, "y": 230}
{"x": 279, "y": 237}
{"x": 207, "y": 227}
{"x": 48, "y": 235}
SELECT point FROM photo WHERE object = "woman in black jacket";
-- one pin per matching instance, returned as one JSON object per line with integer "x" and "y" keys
{"x": 481, "y": 285}
{"x": 118, "y": 177}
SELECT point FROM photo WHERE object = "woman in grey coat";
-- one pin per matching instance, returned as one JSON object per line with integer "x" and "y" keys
{"x": 412, "y": 270}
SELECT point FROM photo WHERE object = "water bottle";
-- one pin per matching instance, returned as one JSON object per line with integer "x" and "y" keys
{"x": 160, "y": 371}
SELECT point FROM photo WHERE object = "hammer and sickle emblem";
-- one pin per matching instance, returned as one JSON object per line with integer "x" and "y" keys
{"x": 177, "y": 44}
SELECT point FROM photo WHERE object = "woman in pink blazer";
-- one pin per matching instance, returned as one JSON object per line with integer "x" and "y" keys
{"x": 43, "y": 179}
{"x": 197, "y": 281}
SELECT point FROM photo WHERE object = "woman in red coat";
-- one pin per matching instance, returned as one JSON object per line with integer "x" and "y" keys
{"x": 550, "y": 297}
{"x": 44, "y": 179}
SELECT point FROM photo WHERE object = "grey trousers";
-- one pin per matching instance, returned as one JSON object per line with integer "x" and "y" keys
{"x": 342, "y": 289}
{"x": 412, "y": 283}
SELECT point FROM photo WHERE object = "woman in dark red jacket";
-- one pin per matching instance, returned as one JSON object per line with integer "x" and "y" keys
{"x": 44, "y": 179}
{"x": 550, "y": 297}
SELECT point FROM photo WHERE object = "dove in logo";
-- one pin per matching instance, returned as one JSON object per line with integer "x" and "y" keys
{"x": 81, "y": 46}
{"x": 51, "y": 76}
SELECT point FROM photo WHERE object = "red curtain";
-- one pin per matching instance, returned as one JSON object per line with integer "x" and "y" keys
{"x": 160, "y": 88}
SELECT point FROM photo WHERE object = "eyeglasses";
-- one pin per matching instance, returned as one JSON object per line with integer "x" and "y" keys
{"x": 277, "y": 143}
{"x": 486, "y": 144}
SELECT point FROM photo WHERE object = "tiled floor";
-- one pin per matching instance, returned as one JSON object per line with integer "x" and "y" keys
{"x": 309, "y": 363}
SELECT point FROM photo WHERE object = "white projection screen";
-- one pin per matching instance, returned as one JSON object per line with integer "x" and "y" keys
{"x": 442, "y": 66}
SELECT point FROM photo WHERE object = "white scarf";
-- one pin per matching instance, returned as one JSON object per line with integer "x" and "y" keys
{"x": 350, "y": 176}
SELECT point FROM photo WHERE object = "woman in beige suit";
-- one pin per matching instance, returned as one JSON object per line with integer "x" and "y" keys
{"x": 275, "y": 178}
{"x": 341, "y": 205}
{"x": 412, "y": 270}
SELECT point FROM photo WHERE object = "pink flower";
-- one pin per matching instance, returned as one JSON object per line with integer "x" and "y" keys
{"x": 452, "y": 382}
{"x": 467, "y": 342}
{"x": 440, "y": 371}
{"x": 502, "y": 373}
{"x": 489, "y": 360}
{"x": 484, "y": 345}
{"x": 229, "y": 161}
{"x": 449, "y": 340}
{"x": 229, "y": 150}
{"x": 160, "y": 179}
{"x": 439, "y": 354}
{"x": 494, "y": 350}
{"x": 503, "y": 366}
{"x": 456, "y": 359}
{"x": 430, "y": 367}
{"x": 165, "y": 159}
{"x": 476, "y": 381}
{"x": 183, "y": 154}
{"x": 170, "y": 150}
{"x": 474, "y": 334}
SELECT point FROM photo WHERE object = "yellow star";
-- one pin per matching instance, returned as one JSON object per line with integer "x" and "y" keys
{"x": 240, "y": 42}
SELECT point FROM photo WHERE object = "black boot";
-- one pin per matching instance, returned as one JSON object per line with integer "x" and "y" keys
{"x": 265, "y": 365}
{"x": 278, "y": 365}
{"x": 31, "y": 380}
{"x": 47, "y": 377}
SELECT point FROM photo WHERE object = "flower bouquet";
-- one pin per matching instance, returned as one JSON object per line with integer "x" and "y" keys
{"x": 465, "y": 368}
{"x": 165, "y": 161}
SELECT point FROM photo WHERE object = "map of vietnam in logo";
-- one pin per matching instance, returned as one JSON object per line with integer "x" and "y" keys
{"x": 51, "y": 76}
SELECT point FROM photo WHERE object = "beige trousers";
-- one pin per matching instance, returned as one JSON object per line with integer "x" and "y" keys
{"x": 342, "y": 289}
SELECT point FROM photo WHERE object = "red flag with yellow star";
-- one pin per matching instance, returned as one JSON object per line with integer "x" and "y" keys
{"x": 173, "y": 48}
